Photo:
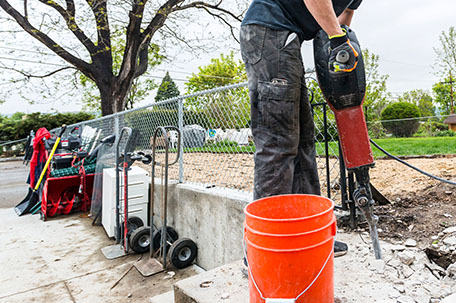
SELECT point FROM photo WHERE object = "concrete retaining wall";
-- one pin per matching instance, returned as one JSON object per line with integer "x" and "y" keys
{"x": 212, "y": 217}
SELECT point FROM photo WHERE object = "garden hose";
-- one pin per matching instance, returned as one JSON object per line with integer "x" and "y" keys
{"x": 411, "y": 166}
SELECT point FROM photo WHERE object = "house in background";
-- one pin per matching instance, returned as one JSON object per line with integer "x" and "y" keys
{"x": 451, "y": 121}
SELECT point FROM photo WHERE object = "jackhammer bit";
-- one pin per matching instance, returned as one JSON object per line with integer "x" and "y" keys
{"x": 363, "y": 200}
{"x": 345, "y": 93}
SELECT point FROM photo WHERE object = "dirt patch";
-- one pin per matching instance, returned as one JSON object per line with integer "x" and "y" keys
{"x": 421, "y": 207}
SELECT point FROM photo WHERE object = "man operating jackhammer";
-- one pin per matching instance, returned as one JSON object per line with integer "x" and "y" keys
{"x": 281, "y": 120}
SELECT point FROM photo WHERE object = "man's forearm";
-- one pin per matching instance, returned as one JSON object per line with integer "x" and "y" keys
{"x": 323, "y": 12}
{"x": 346, "y": 17}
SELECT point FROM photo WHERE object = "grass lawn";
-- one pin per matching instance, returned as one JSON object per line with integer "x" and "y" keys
{"x": 416, "y": 146}
{"x": 395, "y": 146}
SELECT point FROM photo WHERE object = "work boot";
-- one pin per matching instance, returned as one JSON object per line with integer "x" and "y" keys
{"x": 340, "y": 248}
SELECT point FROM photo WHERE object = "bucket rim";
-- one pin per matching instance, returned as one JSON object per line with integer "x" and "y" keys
{"x": 289, "y": 250}
{"x": 247, "y": 214}
{"x": 328, "y": 225}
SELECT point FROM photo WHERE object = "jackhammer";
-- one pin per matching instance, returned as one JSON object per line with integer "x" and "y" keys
{"x": 345, "y": 92}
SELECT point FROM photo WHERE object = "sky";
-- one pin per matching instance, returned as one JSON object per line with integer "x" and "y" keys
{"x": 403, "y": 33}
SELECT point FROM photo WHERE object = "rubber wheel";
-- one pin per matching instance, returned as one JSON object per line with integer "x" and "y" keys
{"x": 171, "y": 237}
{"x": 140, "y": 240}
{"x": 182, "y": 253}
{"x": 134, "y": 222}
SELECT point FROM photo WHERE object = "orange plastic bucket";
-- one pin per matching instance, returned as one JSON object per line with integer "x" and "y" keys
{"x": 290, "y": 240}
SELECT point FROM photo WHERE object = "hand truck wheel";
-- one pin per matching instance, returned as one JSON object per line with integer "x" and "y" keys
{"x": 171, "y": 237}
{"x": 140, "y": 240}
{"x": 182, "y": 253}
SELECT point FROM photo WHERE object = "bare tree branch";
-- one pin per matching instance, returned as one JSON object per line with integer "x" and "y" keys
{"x": 209, "y": 7}
{"x": 178, "y": 37}
{"x": 25, "y": 9}
{"x": 143, "y": 60}
{"x": 27, "y": 75}
{"x": 100, "y": 11}
{"x": 69, "y": 17}
{"x": 46, "y": 40}
{"x": 201, "y": 4}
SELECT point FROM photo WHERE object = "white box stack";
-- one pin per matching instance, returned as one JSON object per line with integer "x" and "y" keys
{"x": 138, "y": 190}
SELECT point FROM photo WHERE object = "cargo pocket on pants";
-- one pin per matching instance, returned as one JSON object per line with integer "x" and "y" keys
{"x": 252, "y": 43}
{"x": 278, "y": 110}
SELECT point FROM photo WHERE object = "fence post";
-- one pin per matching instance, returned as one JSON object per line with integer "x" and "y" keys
{"x": 116, "y": 126}
{"x": 325, "y": 131}
{"x": 180, "y": 114}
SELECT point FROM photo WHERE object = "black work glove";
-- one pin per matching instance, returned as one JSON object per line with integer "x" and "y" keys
{"x": 343, "y": 56}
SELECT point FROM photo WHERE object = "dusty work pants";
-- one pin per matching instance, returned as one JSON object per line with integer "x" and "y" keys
{"x": 281, "y": 118}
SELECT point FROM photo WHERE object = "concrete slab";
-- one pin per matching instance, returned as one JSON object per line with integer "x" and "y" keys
{"x": 57, "y": 292}
{"x": 223, "y": 284}
{"x": 133, "y": 287}
{"x": 167, "y": 297}
{"x": 212, "y": 217}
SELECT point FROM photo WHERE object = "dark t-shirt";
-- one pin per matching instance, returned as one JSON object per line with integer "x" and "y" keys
{"x": 291, "y": 15}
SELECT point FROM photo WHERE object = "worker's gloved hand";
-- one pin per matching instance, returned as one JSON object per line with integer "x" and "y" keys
{"x": 343, "y": 56}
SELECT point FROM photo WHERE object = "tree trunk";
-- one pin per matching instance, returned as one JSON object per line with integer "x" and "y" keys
{"x": 113, "y": 96}
{"x": 106, "y": 97}
{"x": 119, "y": 94}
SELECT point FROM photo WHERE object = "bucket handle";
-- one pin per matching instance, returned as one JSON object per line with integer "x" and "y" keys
{"x": 272, "y": 300}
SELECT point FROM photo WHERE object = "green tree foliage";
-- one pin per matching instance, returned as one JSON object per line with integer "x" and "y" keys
{"x": 442, "y": 96}
{"x": 220, "y": 72}
{"x": 446, "y": 69}
{"x": 18, "y": 116}
{"x": 399, "y": 111}
{"x": 167, "y": 89}
{"x": 377, "y": 96}
{"x": 446, "y": 54}
{"x": 14, "y": 129}
{"x": 229, "y": 109}
{"x": 422, "y": 99}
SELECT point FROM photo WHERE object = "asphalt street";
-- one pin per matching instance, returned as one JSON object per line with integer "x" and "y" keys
{"x": 13, "y": 186}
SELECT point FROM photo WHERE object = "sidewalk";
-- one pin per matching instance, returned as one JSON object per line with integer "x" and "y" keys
{"x": 60, "y": 260}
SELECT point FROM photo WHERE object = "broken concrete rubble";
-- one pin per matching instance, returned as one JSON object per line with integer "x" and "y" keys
{"x": 442, "y": 251}
{"x": 359, "y": 278}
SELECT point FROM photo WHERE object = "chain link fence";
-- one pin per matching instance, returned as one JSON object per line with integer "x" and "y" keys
{"x": 217, "y": 147}
{"x": 12, "y": 148}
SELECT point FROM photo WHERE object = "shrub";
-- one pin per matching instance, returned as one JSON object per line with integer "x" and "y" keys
{"x": 376, "y": 130}
{"x": 14, "y": 128}
{"x": 397, "y": 111}
{"x": 439, "y": 126}
{"x": 446, "y": 133}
